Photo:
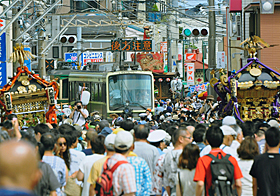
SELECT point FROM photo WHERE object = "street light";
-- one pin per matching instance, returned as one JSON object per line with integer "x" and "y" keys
{"x": 267, "y": 6}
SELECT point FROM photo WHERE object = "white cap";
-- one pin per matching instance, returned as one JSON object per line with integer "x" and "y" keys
{"x": 123, "y": 140}
{"x": 229, "y": 120}
{"x": 168, "y": 114}
{"x": 142, "y": 115}
{"x": 156, "y": 136}
{"x": 273, "y": 123}
{"x": 227, "y": 130}
{"x": 110, "y": 141}
{"x": 68, "y": 121}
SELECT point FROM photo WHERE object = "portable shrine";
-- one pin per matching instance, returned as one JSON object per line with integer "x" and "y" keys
{"x": 253, "y": 91}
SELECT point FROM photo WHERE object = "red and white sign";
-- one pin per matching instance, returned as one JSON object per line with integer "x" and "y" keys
{"x": 163, "y": 46}
{"x": 190, "y": 56}
{"x": 92, "y": 57}
{"x": 190, "y": 73}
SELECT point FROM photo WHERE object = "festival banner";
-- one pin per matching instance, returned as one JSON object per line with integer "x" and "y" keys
{"x": 199, "y": 87}
{"x": 151, "y": 62}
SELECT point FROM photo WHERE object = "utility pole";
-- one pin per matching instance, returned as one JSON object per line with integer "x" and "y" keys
{"x": 41, "y": 47}
{"x": 212, "y": 42}
{"x": 79, "y": 43}
{"x": 16, "y": 33}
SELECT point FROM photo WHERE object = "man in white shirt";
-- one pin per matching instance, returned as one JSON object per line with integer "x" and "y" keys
{"x": 97, "y": 147}
{"x": 79, "y": 114}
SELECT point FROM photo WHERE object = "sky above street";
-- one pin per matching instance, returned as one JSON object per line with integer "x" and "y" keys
{"x": 193, "y": 3}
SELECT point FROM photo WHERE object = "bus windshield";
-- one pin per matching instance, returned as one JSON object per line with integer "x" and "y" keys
{"x": 135, "y": 89}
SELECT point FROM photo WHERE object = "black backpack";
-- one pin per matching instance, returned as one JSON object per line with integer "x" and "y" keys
{"x": 222, "y": 175}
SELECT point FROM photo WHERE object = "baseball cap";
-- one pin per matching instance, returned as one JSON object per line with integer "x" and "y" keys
{"x": 110, "y": 141}
{"x": 149, "y": 109}
{"x": 273, "y": 123}
{"x": 227, "y": 130}
{"x": 156, "y": 136}
{"x": 229, "y": 120}
{"x": 123, "y": 140}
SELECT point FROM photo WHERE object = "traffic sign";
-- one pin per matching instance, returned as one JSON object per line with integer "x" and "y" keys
{"x": 205, "y": 43}
{"x": 70, "y": 57}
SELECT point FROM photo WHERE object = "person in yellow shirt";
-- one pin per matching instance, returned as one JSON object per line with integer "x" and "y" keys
{"x": 96, "y": 168}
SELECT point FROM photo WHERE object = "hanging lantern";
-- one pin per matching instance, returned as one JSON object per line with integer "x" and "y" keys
{"x": 167, "y": 79}
{"x": 160, "y": 79}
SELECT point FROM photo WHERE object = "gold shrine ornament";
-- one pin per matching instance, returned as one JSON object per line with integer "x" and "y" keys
{"x": 25, "y": 82}
{"x": 213, "y": 81}
{"x": 21, "y": 89}
{"x": 224, "y": 80}
{"x": 255, "y": 72}
{"x": 32, "y": 87}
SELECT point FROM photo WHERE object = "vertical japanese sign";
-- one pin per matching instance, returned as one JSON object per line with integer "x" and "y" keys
{"x": 27, "y": 63}
{"x": 163, "y": 46}
{"x": 190, "y": 73}
{"x": 3, "y": 72}
{"x": 221, "y": 60}
{"x": 109, "y": 57}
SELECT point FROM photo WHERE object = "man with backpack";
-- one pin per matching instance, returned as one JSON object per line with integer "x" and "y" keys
{"x": 217, "y": 171}
{"x": 118, "y": 177}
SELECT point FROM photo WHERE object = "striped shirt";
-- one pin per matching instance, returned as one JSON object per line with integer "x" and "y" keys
{"x": 143, "y": 175}
{"x": 123, "y": 177}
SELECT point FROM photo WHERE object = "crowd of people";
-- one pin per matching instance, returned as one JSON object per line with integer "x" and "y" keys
{"x": 168, "y": 152}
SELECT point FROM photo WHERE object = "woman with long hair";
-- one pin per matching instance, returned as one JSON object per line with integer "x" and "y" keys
{"x": 247, "y": 151}
{"x": 62, "y": 149}
{"x": 187, "y": 164}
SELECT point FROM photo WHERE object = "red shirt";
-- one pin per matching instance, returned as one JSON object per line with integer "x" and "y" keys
{"x": 203, "y": 169}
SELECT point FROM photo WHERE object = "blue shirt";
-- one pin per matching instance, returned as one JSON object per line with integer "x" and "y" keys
{"x": 17, "y": 192}
{"x": 160, "y": 151}
{"x": 142, "y": 122}
{"x": 142, "y": 174}
{"x": 87, "y": 151}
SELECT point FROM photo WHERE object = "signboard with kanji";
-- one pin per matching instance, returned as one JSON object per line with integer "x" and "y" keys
{"x": 190, "y": 73}
{"x": 190, "y": 56}
{"x": 132, "y": 45}
{"x": 221, "y": 60}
